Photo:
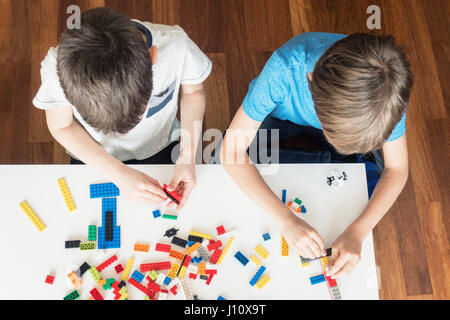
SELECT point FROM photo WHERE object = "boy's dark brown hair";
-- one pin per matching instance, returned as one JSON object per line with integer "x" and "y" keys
{"x": 360, "y": 88}
{"x": 105, "y": 70}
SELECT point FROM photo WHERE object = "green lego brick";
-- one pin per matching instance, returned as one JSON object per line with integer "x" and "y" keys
{"x": 92, "y": 233}
{"x": 87, "y": 245}
{"x": 153, "y": 275}
{"x": 298, "y": 201}
{"x": 169, "y": 216}
{"x": 72, "y": 296}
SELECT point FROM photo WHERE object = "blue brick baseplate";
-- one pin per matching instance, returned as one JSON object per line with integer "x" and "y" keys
{"x": 257, "y": 275}
{"x": 103, "y": 190}
{"x": 241, "y": 258}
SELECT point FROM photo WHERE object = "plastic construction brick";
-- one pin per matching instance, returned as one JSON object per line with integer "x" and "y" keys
{"x": 127, "y": 270}
{"x": 141, "y": 287}
{"x": 87, "y": 245}
{"x": 70, "y": 244}
{"x": 108, "y": 225}
{"x": 176, "y": 254}
{"x": 221, "y": 298}
{"x": 317, "y": 279}
{"x": 225, "y": 250}
{"x": 141, "y": 247}
{"x": 201, "y": 268}
{"x": 137, "y": 276}
{"x": 92, "y": 232}
{"x": 107, "y": 263}
{"x": 173, "y": 270}
{"x": 162, "y": 247}
{"x": 175, "y": 197}
{"x": 266, "y": 236}
{"x": 95, "y": 274}
{"x": 49, "y": 279}
{"x": 103, "y": 190}
{"x": 118, "y": 268}
{"x": 204, "y": 277}
{"x": 203, "y": 254}
{"x": 156, "y": 214}
{"x": 170, "y": 216}
{"x": 83, "y": 268}
{"x": 144, "y": 267}
{"x": 76, "y": 281}
{"x": 261, "y": 251}
{"x": 103, "y": 244}
{"x": 193, "y": 248}
{"x": 171, "y": 232}
{"x": 199, "y": 234}
{"x": 195, "y": 238}
{"x": 66, "y": 194}
{"x": 72, "y": 296}
{"x": 214, "y": 245}
{"x": 257, "y": 275}
{"x": 109, "y": 282}
{"x": 303, "y": 210}
{"x": 181, "y": 272}
{"x": 32, "y": 216}
{"x": 95, "y": 294}
{"x": 215, "y": 256}
{"x": 167, "y": 280}
{"x": 153, "y": 275}
{"x": 241, "y": 258}
{"x": 220, "y": 230}
{"x": 255, "y": 260}
{"x": 179, "y": 242}
{"x": 283, "y": 196}
{"x": 284, "y": 247}
{"x": 304, "y": 260}
{"x": 262, "y": 282}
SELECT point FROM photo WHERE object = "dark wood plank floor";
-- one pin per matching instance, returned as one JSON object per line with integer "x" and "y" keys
{"x": 411, "y": 242}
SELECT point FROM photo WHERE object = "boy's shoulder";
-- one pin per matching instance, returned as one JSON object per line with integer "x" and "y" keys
{"x": 165, "y": 34}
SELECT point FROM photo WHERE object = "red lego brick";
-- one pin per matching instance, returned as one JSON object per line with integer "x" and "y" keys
{"x": 214, "y": 245}
{"x": 220, "y": 230}
{"x": 141, "y": 287}
{"x": 172, "y": 194}
{"x": 152, "y": 285}
{"x": 174, "y": 290}
{"x": 163, "y": 247}
{"x": 155, "y": 266}
{"x": 107, "y": 263}
{"x": 49, "y": 279}
{"x": 118, "y": 268}
{"x": 95, "y": 294}
{"x": 192, "y": 275}
{"x": 215, "y": 256}
{"x": 186, "y": 261}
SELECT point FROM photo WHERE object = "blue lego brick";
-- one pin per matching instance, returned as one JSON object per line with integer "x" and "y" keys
{"x": 196, "y": 259}
{"x": 257, "y": 275}
{"x": 283, "y": 196}
{"x": 317, "y": 279}
{"x": 103, "y": 244}
{"x": 221, "y": 298}
{"x": 190, "y": 243}
{"x": 266, "y": 236}
{"x": 241, "y": 258}
{"x": 303, "y": 209}
{"x": 167, "y": 280}
{"x": 103, "y": 190}
{"x": 156, "y": 214}
{"x": 137, "y": 276}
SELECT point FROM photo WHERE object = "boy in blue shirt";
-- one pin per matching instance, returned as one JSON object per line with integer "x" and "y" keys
{"x": 355, "y": 89}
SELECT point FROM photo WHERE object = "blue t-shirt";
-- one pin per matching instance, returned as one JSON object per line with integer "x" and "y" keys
{"x": 281, "y": 89}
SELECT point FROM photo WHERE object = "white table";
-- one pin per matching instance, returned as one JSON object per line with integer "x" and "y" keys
{"x": 28, "y": 255}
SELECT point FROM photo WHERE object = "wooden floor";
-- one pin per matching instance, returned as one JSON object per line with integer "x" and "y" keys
{"x": 411, "y": 242}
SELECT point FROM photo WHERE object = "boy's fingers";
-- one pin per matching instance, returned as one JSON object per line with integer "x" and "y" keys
{"x": 315, "y": 249}
{"x": 346, "y": 269}
{"x": 337, "y": 265}
{"x": 307, "y": 252}
{"x": 156, "y": 190}
{"x": 321, "y": 244}
{"x": 149, "y": 196}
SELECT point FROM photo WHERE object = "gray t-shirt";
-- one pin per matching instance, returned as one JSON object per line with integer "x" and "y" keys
{"x": 180, "y": 61}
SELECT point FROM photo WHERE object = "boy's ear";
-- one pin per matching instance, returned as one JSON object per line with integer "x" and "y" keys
{"x": 310, "y": 75}
{"x": 153, "y": 51}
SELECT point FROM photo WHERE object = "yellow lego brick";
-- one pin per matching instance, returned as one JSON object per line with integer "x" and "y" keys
{"x": 306, "y": 264}
{"x": 182, "y": 272}
{"x": 255, "y": 260}
{"x": 101, "y": 282}
{"x": 225, "y": 250}
{"x": 262, "y": 282}
{"x": 32, "y": 216}
{"x": 199, "y": 234}
{"x": 324, "y": 261}
{"x": 66, "y": 194}
{"x": 173, "y": 270}
{"x": 123, "y": 296}
{"x": 192, "y": 248}
{"x": 127, "y": 270}
{"x": 284, "y": 247}
{"x": 261, "y": 251}
{"x": 90, "y": 298}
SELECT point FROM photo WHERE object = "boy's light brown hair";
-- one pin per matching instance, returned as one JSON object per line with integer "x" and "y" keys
{"x": 105, "y": 70}
{"x": 360, "y": 87}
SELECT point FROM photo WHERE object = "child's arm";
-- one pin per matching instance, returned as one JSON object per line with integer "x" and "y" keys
{"x": 298, "y": 233}
{"x": 77, "y": 140}
{"x": 192, "y": 111}
{"x": 346, "y": 249}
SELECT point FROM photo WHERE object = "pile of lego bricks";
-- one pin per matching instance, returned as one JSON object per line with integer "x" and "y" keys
{"x": 195, "y": 258}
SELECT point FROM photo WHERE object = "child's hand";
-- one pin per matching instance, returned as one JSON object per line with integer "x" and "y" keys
{"x": 303, "y": 238}
{"x": 183, "y": 181}
{"x": 136, "y": 185}
{"x": 345, "y": 254}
